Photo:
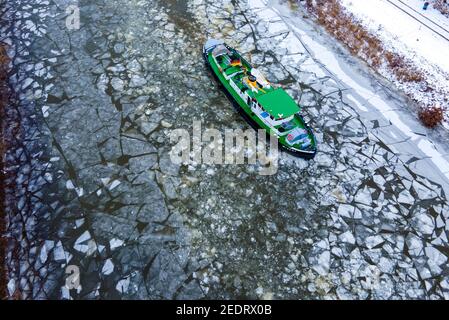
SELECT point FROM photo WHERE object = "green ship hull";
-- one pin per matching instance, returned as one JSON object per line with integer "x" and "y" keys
{"x": 259, "y": 102}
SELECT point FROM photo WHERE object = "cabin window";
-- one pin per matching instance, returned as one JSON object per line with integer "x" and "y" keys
{"x": 288, "y": 125}
{"x": 264, "y": 115}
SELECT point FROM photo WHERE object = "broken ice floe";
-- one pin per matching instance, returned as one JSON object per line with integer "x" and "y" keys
{"x": 115, "y": 243}
{"x": 108, "y": 267}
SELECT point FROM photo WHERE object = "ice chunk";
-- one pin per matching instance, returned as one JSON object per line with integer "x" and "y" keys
{"x": 59, "y": 253}
{"x": 65, "y": 293}
{"x": 45, "y": 112}
{"x": 69, "y": 185}
{"x": 424, "y": 223}
{"x": 435, "y": 256}
{"x": 373, "y": 241}
{"x": 406, "y": 198}
{"x": 364, "y": 197}
{"x": 79, "y": 246}
{"x": 108, "y": 267}
{"x": 345, "y": 210}
{"x": 347, "y": 237}
{"x": 114, "y": 184}
{"x": 385, "y": 265}
{"x": 115, "y": 243}
{"x": 11, "y": 287}
{"x": 323, "y": 263}
{"x": 122, "y": 285}
{"x": 44, "y": 254}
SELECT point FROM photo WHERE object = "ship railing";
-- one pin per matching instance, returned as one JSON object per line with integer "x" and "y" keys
{"x": 242, "y": 95}
{"x": 257, "y": 110}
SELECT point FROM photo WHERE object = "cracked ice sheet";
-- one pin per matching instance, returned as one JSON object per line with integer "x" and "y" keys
{"x": 169, "y": 231}
{"x": 397, "y": 133}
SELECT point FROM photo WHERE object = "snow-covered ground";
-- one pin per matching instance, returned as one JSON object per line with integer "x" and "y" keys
{"x": 402, "y": 32}
{"x": 420, "y": 35}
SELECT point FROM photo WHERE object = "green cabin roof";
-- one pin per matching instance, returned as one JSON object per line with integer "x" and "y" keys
{"x": 278, "y": 103}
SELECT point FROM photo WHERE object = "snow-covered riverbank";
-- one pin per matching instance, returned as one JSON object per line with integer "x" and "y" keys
{"x": 421, "y": 36}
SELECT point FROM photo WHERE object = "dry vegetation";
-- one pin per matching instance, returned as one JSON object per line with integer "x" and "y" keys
{"x": 3, "y": 101}
{"x": 431, "y": 116}
{"x": 343, "y": 26}
{"x": 442, "y": 6}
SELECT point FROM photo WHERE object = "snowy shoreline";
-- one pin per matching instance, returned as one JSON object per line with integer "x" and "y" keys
{"x": 419, "y": 36}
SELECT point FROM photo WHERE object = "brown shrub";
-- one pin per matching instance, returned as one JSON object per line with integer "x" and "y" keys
{"x": 442, "y": 6}
{"x": 431, "y": 116}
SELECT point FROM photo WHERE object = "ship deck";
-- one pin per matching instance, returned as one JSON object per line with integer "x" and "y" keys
{"x": 275, "y": 101}
{"x": 238, "y": 79}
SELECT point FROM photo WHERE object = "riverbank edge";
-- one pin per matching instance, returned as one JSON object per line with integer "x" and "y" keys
{"x": 4, "y": 97}
{"x": 334, "y": 18}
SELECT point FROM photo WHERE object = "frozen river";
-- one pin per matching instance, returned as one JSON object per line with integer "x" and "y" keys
{"x": 92, "y": 186}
